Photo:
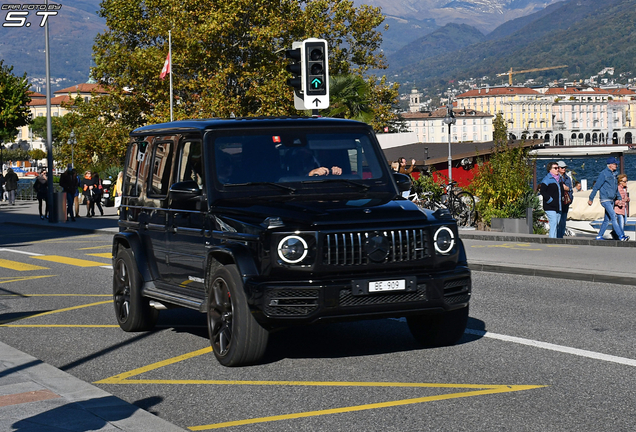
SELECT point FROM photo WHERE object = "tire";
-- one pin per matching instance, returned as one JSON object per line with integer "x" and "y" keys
{"x": 442, "y": 329}
{"x": 236, "y": 338}
{"x": 464, "y": 209}
{"x": 133, "y": 312}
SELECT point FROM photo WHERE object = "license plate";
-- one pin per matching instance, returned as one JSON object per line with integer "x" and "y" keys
{"x": 387, "y": 285}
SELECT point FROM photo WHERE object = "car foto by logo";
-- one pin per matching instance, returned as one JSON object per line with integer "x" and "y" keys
{"x": 17, "y": 13}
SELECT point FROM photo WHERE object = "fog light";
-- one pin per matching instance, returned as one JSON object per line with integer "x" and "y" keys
{"x": 292, "y": 249}
{"x": 444, "y": 240}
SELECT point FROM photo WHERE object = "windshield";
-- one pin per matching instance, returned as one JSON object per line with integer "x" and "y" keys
{"x": 297, "y": 158}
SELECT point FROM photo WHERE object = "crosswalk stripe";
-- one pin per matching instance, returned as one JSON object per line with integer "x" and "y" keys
{"x": 70, "y": 261}
{"x": 15, "y": 265}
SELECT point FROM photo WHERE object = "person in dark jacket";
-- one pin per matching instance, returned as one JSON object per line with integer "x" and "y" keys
{"x": 89, "y": 186}
{"x": 551, "y": 190}
{"x": 11, "y": 185}
{"x": 607, "y": 187}
{"x": 68, "y": 183}
{"x": 99, "y": 192}
{"x": 41, "y": 186}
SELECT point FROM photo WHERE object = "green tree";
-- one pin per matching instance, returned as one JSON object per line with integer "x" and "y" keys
{"x": 38, "y": 127}
{"x": 503, "y": 182}
{"x": 226, "y": 56}
{"x": 14, "y": 97}
{"x": 37, "y": 154}
{"x": 349, "y": 97}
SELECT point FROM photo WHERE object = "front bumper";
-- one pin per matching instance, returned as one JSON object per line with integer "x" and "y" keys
{"x": 334, "y": 300}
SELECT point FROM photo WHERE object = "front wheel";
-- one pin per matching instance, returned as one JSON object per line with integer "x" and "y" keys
{"x": 464, "y": 209}
{"x": 441, "y": 329}
{"x": 236, "y": 338}
{"x": 132, "y": 310}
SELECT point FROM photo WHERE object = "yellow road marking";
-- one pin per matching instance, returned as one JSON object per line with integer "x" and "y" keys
{"x": 488, "y": 390}
{"x": 518, "y": 246}
{"x": 102, "y": 255}
{"x": 65, "y": 309}
{"x": 15, "y": 265}
{"x": 20, "y": 279}
{"x": 70, "y": 261}
{"x": 107, "y": 246}
{"x": 479, "y": 389}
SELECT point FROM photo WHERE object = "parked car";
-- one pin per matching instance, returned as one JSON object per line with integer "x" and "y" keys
{"x": 272, "y": 222}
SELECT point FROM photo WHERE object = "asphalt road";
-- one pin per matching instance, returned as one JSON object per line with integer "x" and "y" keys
{"x": 540, "y": 354}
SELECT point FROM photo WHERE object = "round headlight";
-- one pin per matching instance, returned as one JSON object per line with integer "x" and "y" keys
{"x": 444, "y": 240}
{"x": 292, "y": 249}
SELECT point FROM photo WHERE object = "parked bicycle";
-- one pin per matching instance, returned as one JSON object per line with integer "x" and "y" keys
{"x": 460, "y": 203}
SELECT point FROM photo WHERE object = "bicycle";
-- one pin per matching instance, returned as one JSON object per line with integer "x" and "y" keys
{"x": 460, "y": 203}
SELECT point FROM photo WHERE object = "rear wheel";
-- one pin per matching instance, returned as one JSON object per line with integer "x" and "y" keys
{"x": 438, "y": 330}
{"x": 133, "y": 311}
{"x": 236, "y": 338}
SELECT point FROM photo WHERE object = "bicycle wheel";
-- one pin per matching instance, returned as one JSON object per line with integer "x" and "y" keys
{"x": 463, "y": 209}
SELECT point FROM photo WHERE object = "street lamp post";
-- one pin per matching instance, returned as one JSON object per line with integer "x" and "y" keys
{"x": 450, "y": 120}
{"x": 71, "y": 142}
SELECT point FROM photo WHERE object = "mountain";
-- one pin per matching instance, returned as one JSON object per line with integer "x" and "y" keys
{"x": 587, "y": 35}
{"x": 449, "y": 38}
{"x": 71, "y": 34}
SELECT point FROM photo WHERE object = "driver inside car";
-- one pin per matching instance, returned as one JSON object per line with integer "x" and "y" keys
{"x": 307, "y": 164}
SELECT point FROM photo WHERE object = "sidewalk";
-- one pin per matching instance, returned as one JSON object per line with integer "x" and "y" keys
{"x": 36, "y": 397}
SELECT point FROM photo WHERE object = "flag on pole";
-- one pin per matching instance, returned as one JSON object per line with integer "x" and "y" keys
{"x": 167, "y": 67}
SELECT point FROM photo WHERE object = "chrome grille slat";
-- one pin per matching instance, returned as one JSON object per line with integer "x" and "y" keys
{"x": 347, "y": 248}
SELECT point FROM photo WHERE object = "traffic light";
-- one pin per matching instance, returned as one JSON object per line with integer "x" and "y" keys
{"x": 295, "y": 67}
{"x": 316, "y": 67}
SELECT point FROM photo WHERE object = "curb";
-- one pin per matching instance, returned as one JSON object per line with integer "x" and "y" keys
{"x": 75, "y": 403}
{"x": 536, "y": 238}
{"x": 557, "y": 274}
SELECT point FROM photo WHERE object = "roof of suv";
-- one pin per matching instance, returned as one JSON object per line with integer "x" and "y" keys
{"x": 183, "y": 126}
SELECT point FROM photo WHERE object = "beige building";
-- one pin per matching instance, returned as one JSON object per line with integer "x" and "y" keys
{"x": 470, "y": 126}
{"x": 60, "y": 97}
{"x": 560, "y": 115}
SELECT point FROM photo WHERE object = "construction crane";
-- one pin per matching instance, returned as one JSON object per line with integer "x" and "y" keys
{"x": 511, "y": 72}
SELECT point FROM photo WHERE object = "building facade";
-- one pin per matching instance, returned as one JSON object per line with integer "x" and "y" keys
{"x": 560, "y": 115}
{"x": 470, "y": 126}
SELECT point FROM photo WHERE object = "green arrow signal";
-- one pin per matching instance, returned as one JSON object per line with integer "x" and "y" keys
{"x": 316, "y": 83}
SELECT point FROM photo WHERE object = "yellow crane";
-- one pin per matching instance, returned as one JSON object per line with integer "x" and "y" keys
{"x": 511, "y": 72}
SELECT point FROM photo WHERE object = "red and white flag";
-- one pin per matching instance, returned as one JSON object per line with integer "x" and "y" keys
{"x": 167, "y": 68}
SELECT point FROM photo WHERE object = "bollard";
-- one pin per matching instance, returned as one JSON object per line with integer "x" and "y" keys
{"x": 529, "y": 220}
{"x": 60, "y": 206}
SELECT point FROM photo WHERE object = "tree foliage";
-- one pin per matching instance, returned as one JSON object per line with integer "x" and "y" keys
{"x": 503, "y": 183}
{"x": 227, "y": 56}
{"x": 14, "y": 97}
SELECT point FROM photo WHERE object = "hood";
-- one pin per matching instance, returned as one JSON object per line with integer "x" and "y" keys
{"x": 316, "y": 214}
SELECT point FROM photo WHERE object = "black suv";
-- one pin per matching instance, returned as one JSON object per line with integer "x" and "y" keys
{"x": 270, "y": 222}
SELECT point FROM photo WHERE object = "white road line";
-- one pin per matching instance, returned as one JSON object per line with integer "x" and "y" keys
{"x": 553, "y": 347}
{"x": 110, "y": 267}
{"x": 20, "y": 252}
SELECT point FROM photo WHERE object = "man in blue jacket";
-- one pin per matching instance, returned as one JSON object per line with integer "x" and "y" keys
{"x": 551, "y": 189}
{"x": 607, "y": 187}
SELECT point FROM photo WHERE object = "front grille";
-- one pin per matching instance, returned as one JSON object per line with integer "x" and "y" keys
{"x": 347, "y": 249}
{"x": 291, "y": 302}
{"x": 347, "y": 299}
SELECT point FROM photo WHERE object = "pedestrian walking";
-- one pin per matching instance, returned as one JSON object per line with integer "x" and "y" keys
{"x": 76, "y": 199}
{"x": 41, "y": 187}
{"x": 551, "y": 190}
{"x": 99, "y": 192}
{"x": 68, "y": 183}
{"x": 1, "y": 186}
{"x": 621, "y": 207}
{"x": 566, "y": 183}
{"x": 11, "y": 185}
{"x": 89, "y": 188}
{"x": 607, "y": 187}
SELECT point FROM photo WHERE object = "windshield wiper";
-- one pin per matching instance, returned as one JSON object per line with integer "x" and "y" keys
{"x": 280, "y": 186}
{"x": 336, "y": 179}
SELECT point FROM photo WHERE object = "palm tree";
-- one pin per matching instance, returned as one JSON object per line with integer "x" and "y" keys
{"x": 349, "y": 98}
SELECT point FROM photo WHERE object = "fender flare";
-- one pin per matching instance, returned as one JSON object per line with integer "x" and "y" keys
{"x": 134, "y": 243}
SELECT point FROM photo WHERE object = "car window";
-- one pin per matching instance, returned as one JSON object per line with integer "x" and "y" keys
{"x": 190, "y": 163}
{"x": 161, "y": 169}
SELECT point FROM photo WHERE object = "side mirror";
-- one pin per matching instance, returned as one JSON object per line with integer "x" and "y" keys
{"x": 403, "y": 181}
{"x": 185, "y": 190}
